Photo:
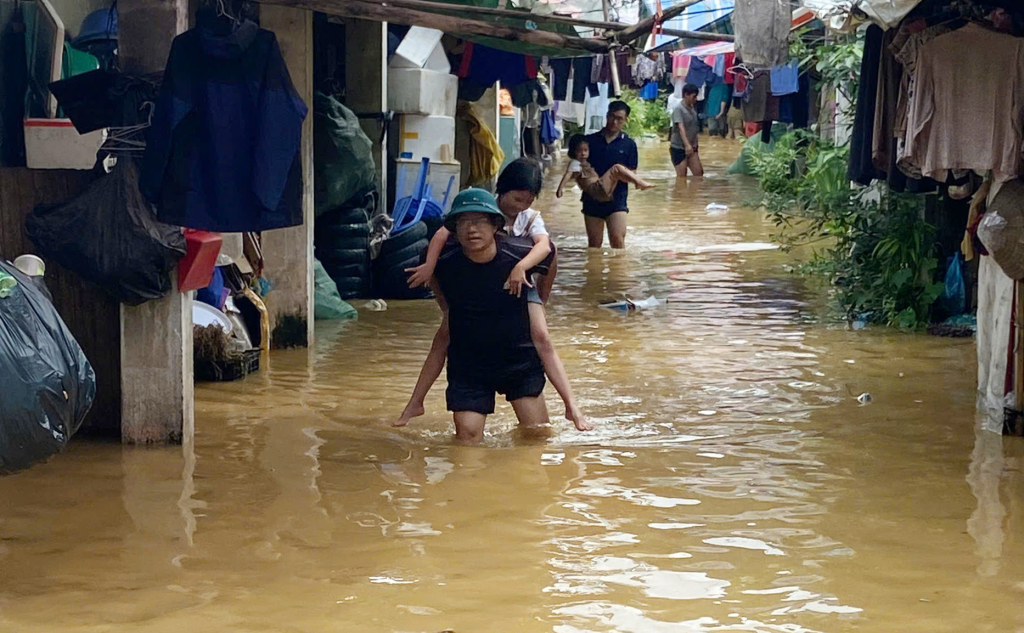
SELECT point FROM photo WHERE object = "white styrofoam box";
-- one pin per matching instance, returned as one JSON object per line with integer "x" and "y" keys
{"x": 416, "y": 47}
{"x": 423, "y": 135}
{"x": 422, "y": 91}
{"x": 56, "y": 144}
{"x": 438, "y": 61}
{"x": 438, "y": 176}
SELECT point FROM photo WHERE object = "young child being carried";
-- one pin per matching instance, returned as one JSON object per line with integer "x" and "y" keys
{"x": 598, "y": 187}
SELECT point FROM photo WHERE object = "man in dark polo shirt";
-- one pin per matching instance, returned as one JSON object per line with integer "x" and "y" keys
{"x": 609, "y": 147}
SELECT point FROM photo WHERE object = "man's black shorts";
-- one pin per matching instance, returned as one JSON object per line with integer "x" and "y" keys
{"x": 602, "y": 213}
{"x": 474, "y": 391}
{"x": 678, "y": 155}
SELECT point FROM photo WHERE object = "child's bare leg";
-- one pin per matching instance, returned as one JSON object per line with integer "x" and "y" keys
{"x": 553, "y": 366}
{"x": 432, "y": 368}
{"x": 621, "y": 173}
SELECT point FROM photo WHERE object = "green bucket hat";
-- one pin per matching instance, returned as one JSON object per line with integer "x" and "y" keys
{"x": 473, "y": 200}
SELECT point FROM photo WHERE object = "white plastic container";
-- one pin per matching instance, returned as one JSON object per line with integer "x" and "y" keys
{"x": 416, "y": 47}
{"x": 438, "y": 177}
{"x": 422, "y": 136}
{"x": 422, "y": 91}
{"x": 56, "y": 144}
{"x": 30, "y": 265}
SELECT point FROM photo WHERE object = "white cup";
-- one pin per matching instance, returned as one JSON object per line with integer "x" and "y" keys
{"x": 30, "y": 265}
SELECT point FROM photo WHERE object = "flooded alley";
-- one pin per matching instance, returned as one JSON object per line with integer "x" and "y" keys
{"x": 733, "y": 482}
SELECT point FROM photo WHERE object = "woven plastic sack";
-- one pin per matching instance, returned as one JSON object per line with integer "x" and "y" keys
{"x": 342, "y": 154}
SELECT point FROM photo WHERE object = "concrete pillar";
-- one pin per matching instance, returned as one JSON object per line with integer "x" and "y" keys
{"x": 156, "y": 337}
{"x": 288, "y": 253}
{"x": 366, "y": 83}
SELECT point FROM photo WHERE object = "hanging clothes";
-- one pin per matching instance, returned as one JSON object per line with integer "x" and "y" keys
{"x": 548, "y": 128}
{"x": 730, "y": 61}
{"x": 861, "y": 169}
{"x": 582, "y": 68}
{"x": 963, "y": 115}
{"x": 699, "y": 73}
{"x": 485, "y": 154}
{"x": 645, "y": 70}
{"x": 680, "y": 65}
{"x": 484, "y": 66}
{"x": 785, "y": 79}
{"x": 560, "y": 69}
{"x": 756, "y": 102}
{"x": 222, "y": 153}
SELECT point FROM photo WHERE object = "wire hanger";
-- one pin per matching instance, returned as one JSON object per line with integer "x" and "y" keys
{"x": 222, "y": 12}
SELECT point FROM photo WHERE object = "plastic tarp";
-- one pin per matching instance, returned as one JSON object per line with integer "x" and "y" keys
{"x": 110, "y": 236}
{"x": 886, "y": 13}
{"x": 328, "y": 304}
{"x": 342, "y": 154}
{"x": 49, "y": 384}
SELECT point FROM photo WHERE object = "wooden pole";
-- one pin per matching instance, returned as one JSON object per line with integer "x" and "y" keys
{"x": 616, "y": 84}
{"x": 643, "y": 27}
{"x": 449, "y": 24}
{"x": 1018, "y": 355}
{"x": 540, "y": 18}
{"x": 699, "y": 35}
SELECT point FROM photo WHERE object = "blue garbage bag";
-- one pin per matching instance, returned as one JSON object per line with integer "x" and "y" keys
{"x": 954, "y": 297}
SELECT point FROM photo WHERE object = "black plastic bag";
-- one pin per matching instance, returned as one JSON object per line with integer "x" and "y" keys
{"x": 48, "y": 384}
{"x": 110, "y": 236}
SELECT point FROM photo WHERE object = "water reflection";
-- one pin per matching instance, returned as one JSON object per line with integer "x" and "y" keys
{"x": 733, "y": 483}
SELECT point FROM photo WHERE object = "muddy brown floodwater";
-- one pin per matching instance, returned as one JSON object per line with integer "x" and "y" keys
{"x": 733, "y": 483}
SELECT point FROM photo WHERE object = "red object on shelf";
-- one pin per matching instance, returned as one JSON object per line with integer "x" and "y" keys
{"x": 195, "y": 270}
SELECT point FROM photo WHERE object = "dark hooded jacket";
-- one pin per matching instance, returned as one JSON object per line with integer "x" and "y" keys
{"x": 223, "y": 153}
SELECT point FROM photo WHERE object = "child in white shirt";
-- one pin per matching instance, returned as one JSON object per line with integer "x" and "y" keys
{"x": 598, "y": 187}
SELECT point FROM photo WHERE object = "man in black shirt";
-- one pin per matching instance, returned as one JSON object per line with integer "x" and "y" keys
{"x": 490, "y": 349}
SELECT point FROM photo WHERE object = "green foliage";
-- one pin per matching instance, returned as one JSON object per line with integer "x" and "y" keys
{"x": 871, "y": 245}
{"x": 647, "y": 118}
{"x": 837, "y": 63}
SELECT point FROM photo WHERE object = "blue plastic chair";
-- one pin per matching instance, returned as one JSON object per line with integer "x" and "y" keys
{"x": 420, "y": 200}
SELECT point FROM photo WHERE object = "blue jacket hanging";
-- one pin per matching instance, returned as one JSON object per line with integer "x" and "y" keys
{"x": 223, "y": 151}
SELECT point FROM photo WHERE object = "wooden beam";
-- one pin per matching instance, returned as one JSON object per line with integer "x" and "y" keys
{"x": 449, "y": 24}
{"x": 699, "y": 35}
{"x": 540, "y": 18}
{"x": 643, "y": 27}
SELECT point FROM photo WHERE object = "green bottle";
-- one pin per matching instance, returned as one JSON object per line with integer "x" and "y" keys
{"x": 7, "y": 284}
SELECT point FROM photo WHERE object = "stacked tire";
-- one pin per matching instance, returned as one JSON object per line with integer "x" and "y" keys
{"x": 342, "y": 243}
{"x": 397, "y": 253}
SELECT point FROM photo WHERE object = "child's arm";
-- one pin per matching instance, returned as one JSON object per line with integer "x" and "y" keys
{"x": 421, "y": 274}
{"x": 553, "y": 366}
{"x": 540, "y": 251}
{"x": 565, "y": 181}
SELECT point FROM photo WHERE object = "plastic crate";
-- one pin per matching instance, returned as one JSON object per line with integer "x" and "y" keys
{"x": 228, "y": 370}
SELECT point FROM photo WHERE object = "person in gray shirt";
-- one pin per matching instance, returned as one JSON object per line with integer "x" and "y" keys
{"x": 685, "y": 128}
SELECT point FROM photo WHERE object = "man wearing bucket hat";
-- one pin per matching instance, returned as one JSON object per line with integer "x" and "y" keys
{"x": 491, "y": 346}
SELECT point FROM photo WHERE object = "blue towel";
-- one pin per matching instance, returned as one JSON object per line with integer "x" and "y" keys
{"x": 786, "y": 79}
{"x": 699, "y": 73}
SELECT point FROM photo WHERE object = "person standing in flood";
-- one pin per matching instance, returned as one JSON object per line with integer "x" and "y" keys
{"x": 609, "y": 147}
{"x": 684, "y": 137}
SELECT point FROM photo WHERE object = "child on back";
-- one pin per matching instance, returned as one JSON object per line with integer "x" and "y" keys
{"x": 517, "y": 188}
{"x": 598, "y": 187}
